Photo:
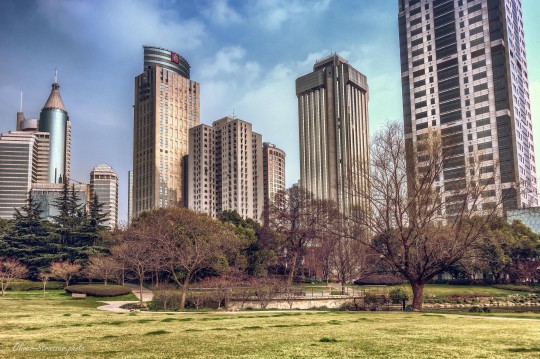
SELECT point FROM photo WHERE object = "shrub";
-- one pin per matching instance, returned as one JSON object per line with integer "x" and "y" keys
{"x": 397, "y": 295}
{"x": 486, "y": 310}
{"x": 384, "y": 279}
{"x": 475, "y": 310}
{"x": 376, "y": 298}
{"x": 98, "y": 290}
{"x": 25, "y": 285}
{"x": 409, "y": 308}
{"x": 166, "y": 300}
{"x": 353, "y": 305}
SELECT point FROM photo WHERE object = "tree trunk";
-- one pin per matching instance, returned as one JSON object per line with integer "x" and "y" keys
{"x": 291, "y": 273}
{"x": 105, "y": 280}
{"x": 418, "y": 292}
{"x": 343, "y": 287}
{"x": 141, "y": 278}
{"x": 184, "y": 293}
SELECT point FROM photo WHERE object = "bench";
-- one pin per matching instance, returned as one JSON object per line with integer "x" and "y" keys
{"x": 78, "y": 295}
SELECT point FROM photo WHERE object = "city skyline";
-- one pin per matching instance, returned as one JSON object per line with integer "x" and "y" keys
{"x": 97, "y": 56}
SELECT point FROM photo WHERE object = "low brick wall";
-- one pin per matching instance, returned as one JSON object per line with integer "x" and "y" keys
{"x": 296, "y": 303}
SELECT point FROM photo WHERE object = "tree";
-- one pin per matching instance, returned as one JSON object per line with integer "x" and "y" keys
{"x": 44, "y": 276}
{"x": 10, "y": 269}
{"x": 300, "y": 220}
{"x": 351, "y": 259}
{"x": 64, "y": 270}
{"x": 101, "y": 267}
{"x": 137, "y": 251}
{"x": 421, "y": 225}
{"x": 97, "y": 215}
{"x": 191, "y": 242}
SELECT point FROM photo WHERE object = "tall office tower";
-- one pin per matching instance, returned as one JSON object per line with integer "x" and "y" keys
{"x": 464, "y": 72}
{"x": 104, "y": 183}
{"x": 22, "y": 154}
{"x": 334, "y": 134}
{"x": 273, "y": 172}
{"x": 130, "y": 196}
{"x": 225, "y": 169}
{"x": 54, "y": 120}
{"x": 166, "y": 107}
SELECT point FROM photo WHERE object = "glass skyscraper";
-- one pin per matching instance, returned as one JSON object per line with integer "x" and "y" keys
{"x": 464, "y": 73}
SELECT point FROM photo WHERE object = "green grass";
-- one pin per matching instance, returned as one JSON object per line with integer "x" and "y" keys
{"x": 32, "y": 320}
{"x": 447, "y": 290}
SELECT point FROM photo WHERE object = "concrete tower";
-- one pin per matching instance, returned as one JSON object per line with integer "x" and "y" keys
{"x": 104, "y": 183}
{"x": 464, "y": 74}
{"x": 54, "y": 120}
{"x": 334, "y": 134}
{"x": 166, "y": 107}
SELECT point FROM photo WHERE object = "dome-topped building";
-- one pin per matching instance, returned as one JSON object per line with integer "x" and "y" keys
{"x": 54, "y": 119}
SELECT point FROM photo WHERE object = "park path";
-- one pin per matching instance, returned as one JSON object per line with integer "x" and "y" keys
{"x": 114, "y": 306}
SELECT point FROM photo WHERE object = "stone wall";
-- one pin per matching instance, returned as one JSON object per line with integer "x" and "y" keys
{"x": 296, "y": 303}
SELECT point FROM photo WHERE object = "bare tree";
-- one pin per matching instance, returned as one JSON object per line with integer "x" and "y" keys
{"x": 101, "y": 267}
{"x": 44, "y": 277}
{"x": 423, "y": 216}
{"x": 64, "y": 270}
{"x": 351, "y": 259}
{"x": 10, "y": 269}
{"x": 300, "y": 220}
{"x": 137, "y": 253}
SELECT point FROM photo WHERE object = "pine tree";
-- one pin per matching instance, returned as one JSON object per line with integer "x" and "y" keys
{"x": 62, "y": 203}
{"x": 97, "y": 215}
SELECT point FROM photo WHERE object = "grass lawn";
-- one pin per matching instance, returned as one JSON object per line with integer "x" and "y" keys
{"x": 29, "y": 321}
{"x": 446, "y": 290}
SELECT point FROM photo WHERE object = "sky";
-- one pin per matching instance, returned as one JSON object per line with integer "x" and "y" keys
{"x": 246, "y": 55}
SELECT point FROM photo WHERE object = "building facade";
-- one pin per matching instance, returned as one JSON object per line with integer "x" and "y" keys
{"x": 334, "y": 133}
{"x": 464, "y": 74}
{"x": 22, "y": 155}
{"x": 273, "y": 172}
{"x": 47, "y": 193}
{"x": 226, "y": 169}
{"x": 166, "y": 107}
{"x": 130, "y": 196}
{"x": 54, "y": 120}
{"x": 104, "y": 184}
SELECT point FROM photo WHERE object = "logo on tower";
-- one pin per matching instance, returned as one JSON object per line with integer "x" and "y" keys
{"x": 175, "y": 57}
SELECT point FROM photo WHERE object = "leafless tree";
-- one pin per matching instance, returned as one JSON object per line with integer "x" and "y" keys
{"x": 101, "y": 267}
{"x": 300, "y": 219}
{"x": 64, "y": 270}
{"x": 421, "y": 224}
{"x": 44, "y": 277}
{"x": 10, "y": 269}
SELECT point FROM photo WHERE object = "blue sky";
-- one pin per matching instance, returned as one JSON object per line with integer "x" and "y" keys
{"x": 245, "y": 54}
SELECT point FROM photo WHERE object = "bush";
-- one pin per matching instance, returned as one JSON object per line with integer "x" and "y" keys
{"x": 409, "y": 308}
{"x": 475, "y": 310}
{"x": 25, "y": 285}
{"x": 376, "y": 298}
{"x": 486, "y": 310}
{"x": 98, "y": 290}
{"x": 397, "y": 295}
{"x": 353, "y": 305}
{"x": 166, "y": 300}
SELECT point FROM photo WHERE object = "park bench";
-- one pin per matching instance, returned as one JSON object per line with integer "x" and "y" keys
{"x": 78, "y": 295}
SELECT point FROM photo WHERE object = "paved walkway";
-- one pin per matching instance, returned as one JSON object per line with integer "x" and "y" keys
{"x": 114, "y": 306}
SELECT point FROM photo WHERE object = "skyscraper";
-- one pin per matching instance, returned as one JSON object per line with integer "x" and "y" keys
{"x": 166, "y": 107}
{"x": 334, "y": 134}
{"x": 130, "y": 196}
{"x": 273, "y": 172}
{"x": 104, "y": 183}
{"x": 54, "y": 120}
{"x": 22, "y": 154}
{"x": 226, "y": 169}
{"x": 464, "y": 73}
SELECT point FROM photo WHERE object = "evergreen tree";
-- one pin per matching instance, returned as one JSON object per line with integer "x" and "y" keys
{"x": 97, "y": 214}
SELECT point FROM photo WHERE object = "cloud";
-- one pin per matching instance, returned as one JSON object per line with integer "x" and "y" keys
{"x": 272, "y": 14}
{"x": 121, "y": 25}
{"x": 219, "y": 12}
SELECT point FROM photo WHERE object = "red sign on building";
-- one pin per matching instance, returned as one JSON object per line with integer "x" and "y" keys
{"x": 175, "y": 57}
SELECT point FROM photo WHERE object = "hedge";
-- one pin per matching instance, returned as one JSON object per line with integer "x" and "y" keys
{"x": 24, "y": 285}
{"x": 98, "y": 290}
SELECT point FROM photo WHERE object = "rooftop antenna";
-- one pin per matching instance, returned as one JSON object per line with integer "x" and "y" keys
{"x": 21, "y": 103}
{"x": 233, "y": 113}
{"x": 55, "y": 75}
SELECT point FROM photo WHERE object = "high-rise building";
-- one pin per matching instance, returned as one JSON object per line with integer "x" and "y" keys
{"x": 22, "y": 154}
{"x": 273, "y": 172}
{"x": 54, "y": 120}
{"x": 130, "y": 196}
{"x": 104, "y": 183}
{"x": 226, "y": 169}
{"x": 334, "y": 134}
{"x": 464, "y": 73}
{"x": 166, "y": 107}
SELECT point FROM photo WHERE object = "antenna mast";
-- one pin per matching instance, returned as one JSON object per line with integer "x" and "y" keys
{"x": 55, "y": 75}
{"x": 21, "y": 103}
